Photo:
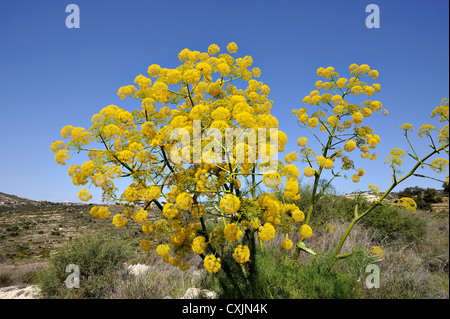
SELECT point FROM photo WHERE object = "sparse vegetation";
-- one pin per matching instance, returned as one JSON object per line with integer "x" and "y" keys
{"x": 415, "y": 262}
{"x": 99, "y": 259}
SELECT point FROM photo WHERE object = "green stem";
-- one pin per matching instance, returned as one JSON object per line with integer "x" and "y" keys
{"x": 253, "y": 183}
{"x": 378, "y": 202}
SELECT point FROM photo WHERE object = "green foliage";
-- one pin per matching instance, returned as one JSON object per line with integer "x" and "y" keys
{"x": 394, "y": 223}
{"x": 276, "y": 277}
{"x": 445, "y": 188}
{"x": 98, "y": 258}
{"x": 389, "y": 221}
{"x": 318, "y": 278}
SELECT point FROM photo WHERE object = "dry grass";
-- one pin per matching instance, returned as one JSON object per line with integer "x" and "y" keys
{"x": 16, "y": 275}
{"x": 408, "y": 269}
{"x": 412, "y": 267}
{"x": 160, "y": 281}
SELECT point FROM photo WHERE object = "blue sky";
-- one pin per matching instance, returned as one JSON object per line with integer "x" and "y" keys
{"x": 51, "y": 76}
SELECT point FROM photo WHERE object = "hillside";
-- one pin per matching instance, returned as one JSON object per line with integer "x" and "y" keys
{"x": 36, "y": 228}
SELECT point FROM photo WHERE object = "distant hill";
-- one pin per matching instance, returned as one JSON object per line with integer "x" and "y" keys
{"x": 9, "y": 200}
{"x": 30, "y": 228}
{"x": 13, "y": 203}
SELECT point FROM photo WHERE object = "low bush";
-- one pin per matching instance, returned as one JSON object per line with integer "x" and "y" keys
{"x": 98, "y": 257}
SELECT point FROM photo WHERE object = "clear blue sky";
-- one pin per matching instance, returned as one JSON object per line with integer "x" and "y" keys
{"x": 51, "y": 76}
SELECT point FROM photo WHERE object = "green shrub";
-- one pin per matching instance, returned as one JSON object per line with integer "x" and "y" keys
{"x": 98, "y": 257}
{"x": 389, "y": 222}
{"x": 318, "y": 278}
{"x": 279, "y": 278}
{"x": 394, "y": 223}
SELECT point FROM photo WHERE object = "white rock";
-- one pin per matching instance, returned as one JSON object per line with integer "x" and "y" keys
{"x": 191, "y": 293}
{"x": 208, "y": 294}
{"x": 138, "y": 269}
{"x": 17, "y": 292}
{"x": 196, "y": 293}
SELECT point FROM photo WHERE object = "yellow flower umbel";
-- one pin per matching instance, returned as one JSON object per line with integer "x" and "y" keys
{"x": 212, "y": 264}
{"x": 271, "y": 179}
{"x": 395, "y": 158}
{"x": 184, "y": 201}
{"x": 287, "y": 244}
{"x": 439, "y": 165}
{"x": 146, "y": 245}
{"x": 100, "y": 212}
{"x": 232, "y": 47}
{"x": 62, "y": 156}
{"x": 408, "y": 203}
{"x": 266, "y": 232}
{"x": 350, "y": 146}
{"x": 198, "y": 211}
{"x": 230, "y": 204}
{"x": 291, "y": 190}
{"x": 140, "y": 216}
{"x": 232, "y": 232}
{"x": 302, "y": 141}
{"x": 305, "y": 231}
{"x": 84, "y": 195}
{"x": 147, "y": 227}
{"x": 119, "y": 221}
{"x": 241, "y": 254}
{"x": 309, "y": 171}
{"x": 298, "y": 215}
{"x": 377, "y": 251}
{"x": 406, "y": 127}
{"x": 199, "y": 244}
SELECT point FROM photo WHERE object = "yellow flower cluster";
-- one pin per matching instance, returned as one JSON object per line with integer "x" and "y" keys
{"x": 212, "y": 264}
{"x": 147, "y": 227}
{"x": 163, "y": 251}
{"x": 100, "y": 212}
{"x": 309, "y": 171}
{"x": 341, "y": 121}
{"x": 291, "y": 190}
{"x": 305, "y": 231}
{"x": 146, "y": 245}
{"x": 439, "y": 165}
{"x": 395, "y": 157}
{"x": 298, "y": 215}
{"x": 291, "y": 157}
{"x": 408, "y": 203}
{"x": 271, "y": 179}
{"x": 119, "y": 221}
{"x": 241, "y": 254}
{"x": 287, "y": 244}
{"x": 266, "y": 232}
{"x": 184, "y": 201}
{"x": 140, "y": 216}
{"x": 84, "y": 195}
{"x": 232, "y": 232}
{"x": 377, "y": 251}
{"x": 199, "y": 244}
{"x": 230, "y": 204}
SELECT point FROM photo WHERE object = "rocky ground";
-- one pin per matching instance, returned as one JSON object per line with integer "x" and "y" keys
{"x": 30, "y": 231}
{"x": 36, "y": 228}
{"x": 19, "y": 292}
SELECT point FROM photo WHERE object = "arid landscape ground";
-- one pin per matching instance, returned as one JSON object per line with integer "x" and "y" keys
{"x": 31, "y": 231}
